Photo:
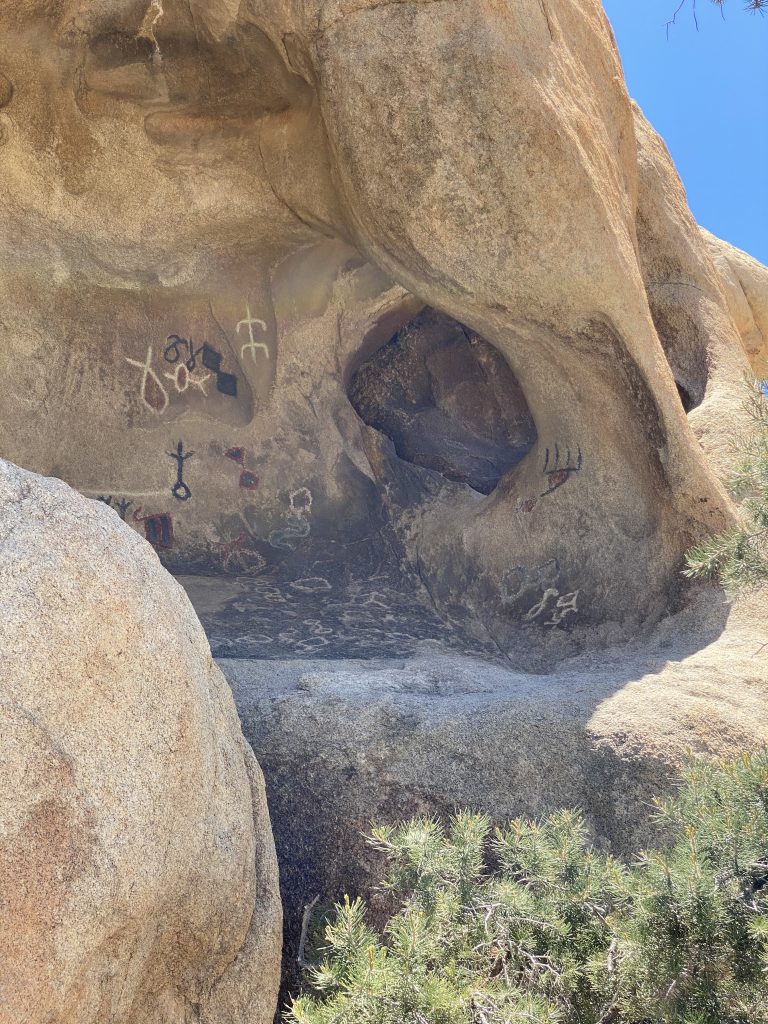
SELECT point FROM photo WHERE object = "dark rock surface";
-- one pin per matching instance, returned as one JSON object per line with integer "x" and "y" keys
{"x": 333, "y": 616}
{"x": 447, "y": 400}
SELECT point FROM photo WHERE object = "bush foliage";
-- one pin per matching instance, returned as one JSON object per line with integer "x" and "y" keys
{"x": 531, "y": 924}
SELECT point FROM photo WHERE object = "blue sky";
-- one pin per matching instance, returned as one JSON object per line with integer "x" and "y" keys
{"x": 706, "y": 92}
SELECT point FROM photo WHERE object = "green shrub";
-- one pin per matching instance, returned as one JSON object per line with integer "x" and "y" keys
{"x": 531, "y": 924}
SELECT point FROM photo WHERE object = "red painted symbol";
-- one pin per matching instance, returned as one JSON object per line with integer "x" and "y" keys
{"x": 559, "y": 471}
{"x": 158, "y": 529}
{"x": 238, "y": 552}
{"x": 248, "y": 481}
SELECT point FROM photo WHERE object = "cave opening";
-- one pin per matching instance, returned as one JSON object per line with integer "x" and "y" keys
{"x": 448, "y": 401}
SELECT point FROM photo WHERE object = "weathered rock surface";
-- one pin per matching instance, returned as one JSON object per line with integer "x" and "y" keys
{"x": 344, "y": 743}
{"x": 448, "y": 402}
{"x": 138, "y": 882}
{"x": 745, "y": 283}
{"x": 215, "y": 217}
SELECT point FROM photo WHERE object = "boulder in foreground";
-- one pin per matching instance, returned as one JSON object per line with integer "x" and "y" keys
{"x": 138, "y": 882}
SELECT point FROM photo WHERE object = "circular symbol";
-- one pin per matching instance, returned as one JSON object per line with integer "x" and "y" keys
{"x": 181, "y": 492}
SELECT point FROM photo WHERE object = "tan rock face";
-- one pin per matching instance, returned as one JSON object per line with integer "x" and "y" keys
{"x": 702, "y": 342}
{"x": 138, "y": 881}
{"x": 213, "y": 218}
{"x": 745, "y": 283}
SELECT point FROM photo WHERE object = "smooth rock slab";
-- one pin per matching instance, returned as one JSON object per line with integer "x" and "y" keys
{"x": 138, "y": 882}
{"x": 344, "y": 744}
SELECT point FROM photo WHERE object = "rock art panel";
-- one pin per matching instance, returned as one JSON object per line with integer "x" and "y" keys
{"x": 493, "y": 341}
{"x": 137, "y": 869}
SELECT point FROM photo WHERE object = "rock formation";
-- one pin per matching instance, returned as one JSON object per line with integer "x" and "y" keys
{"x": 745, "y": 283}
{"x": 706, "y": 347}
{"x": 138, "y": 881}
{"x": 382, "y": 322}
{"x": 351, "y": 743}
{"x": 231, "y": 231}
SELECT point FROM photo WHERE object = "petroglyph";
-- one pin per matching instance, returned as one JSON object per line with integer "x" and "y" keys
{"x": 158, "y": 528}
{"x": 526, "y": 506}
{"x": 540, "y": 584}
{"x": 297, "y": 520}
{"x": 520, "y": 580}
{"x": 560, "y": 466}
{"x": 252, "y": 345}
{"x": 155, "y": 394}
{"x": 238, "y": 554}
{"x": 248, "y": 480}
{"x": 566, "y": 605}
{"x": 180, "y": 489}
{"x": 541, "y": 605}
{"x": 152, "y": 390}
{"x": 311, "y": 585}
{"x": 226, "y": 383}
{"x": 355, "y": 618}
{"x": 182, "y": 379}
{"x": 120, "y": 505}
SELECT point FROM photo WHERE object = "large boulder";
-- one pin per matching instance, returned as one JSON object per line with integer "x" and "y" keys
{"x": 138, "y": 882}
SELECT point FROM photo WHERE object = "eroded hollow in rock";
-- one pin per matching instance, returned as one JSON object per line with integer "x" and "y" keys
{"x": 448, "y": 401}
{"x": 686, "y": 398}
{"x": 686, "y": 354}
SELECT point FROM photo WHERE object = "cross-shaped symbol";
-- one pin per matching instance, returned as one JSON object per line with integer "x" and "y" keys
{"x": 180, "y": 490}
{"x": 252, "y": 344}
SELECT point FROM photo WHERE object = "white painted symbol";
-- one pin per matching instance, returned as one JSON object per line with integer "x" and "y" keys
{"x": 297, "y": 520}
{"x": 542, "y": 605}
{"x": 182, "y": 379}
{"x": 311, "y": 585}
{"x": 148, "y": 374}
{"x": 301, "y": 501}
{"x": 252, "y": 344}
{"x": 566, "y": 605}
